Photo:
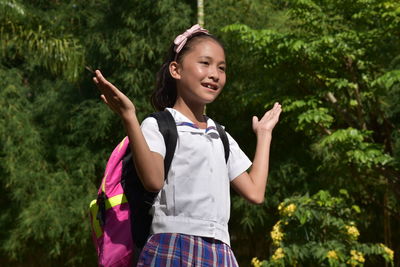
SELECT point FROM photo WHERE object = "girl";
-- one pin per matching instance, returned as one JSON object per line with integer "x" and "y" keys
{"x": 192, "y": 209}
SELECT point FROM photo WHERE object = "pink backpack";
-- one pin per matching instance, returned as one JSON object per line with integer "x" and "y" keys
{"x": 114, "y": 246}
{"x": 120, "y": 215}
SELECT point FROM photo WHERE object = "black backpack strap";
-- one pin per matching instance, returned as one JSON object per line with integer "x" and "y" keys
{"x": 167, "y": 127}
{"x": 140, "y": 200}
{"x": 224, "y": 139}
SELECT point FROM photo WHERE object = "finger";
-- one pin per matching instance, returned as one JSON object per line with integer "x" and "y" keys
{"x": 108, "y": 87}
{"x": 272, "y": 110}
{"x": 100, "y": 81}
{"x": 255, "y": 120}
{"x": 278, "y": 113}
{"x": 275, "y": 111}
{"x": 108, "y": 103}
{"x": 99, "y": 75}
{"x": 267, "y": 114}
{"x": 104, "y": 99}
{"x": 100, "y": 78}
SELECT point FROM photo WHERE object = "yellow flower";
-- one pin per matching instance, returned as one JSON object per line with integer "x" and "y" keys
{"x": 352, "y": 231}
{"x": 289, "y": 210}
{"x": 357, "y": 256}
{"x": 256, "y": 262}
{"x": 278, "y": 254}
{"x": 276, "y": 233}
{"x": 332, "y": 255}
{"x": 388, "y": 251}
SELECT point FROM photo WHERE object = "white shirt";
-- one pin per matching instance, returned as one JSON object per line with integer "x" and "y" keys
{"x": 195, "y": 199}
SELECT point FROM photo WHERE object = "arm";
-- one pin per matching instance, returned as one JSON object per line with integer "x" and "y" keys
{"x": 251, "y": 185}
{"x": 149, "y": 165}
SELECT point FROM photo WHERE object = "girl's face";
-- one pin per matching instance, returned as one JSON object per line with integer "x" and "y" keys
{"x": 201, "y": 74}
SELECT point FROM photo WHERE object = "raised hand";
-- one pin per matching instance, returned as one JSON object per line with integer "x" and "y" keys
{"x": 268, "y": 121}
{"x": 114, "y": 98}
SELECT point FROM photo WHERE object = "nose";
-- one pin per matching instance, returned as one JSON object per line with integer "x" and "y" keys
{"x": 213, "y": 74}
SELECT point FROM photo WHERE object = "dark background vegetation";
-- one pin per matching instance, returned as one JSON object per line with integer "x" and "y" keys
{"x": 334, "y": 66}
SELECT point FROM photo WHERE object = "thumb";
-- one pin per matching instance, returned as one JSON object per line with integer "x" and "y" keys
{"x": 255, "y": 120}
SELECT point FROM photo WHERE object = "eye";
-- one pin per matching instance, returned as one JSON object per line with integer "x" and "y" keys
{"x": 223, "y": 68}
{"x": 205, "y": 63}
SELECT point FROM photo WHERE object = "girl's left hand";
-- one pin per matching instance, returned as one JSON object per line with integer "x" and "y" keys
{"x": 268, "y": 121}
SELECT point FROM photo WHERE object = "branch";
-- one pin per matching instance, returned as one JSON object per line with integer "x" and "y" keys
{"x": 326, "y": 130}
{"x": 350, "y": 66}
{"x": 331, "y": 98}
{"x": 359, "y": 108}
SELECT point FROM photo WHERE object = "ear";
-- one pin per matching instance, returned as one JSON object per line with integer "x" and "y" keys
{"x": 174, "y": 70}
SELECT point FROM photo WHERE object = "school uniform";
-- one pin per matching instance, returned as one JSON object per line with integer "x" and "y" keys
{"x": 191, "y": 212}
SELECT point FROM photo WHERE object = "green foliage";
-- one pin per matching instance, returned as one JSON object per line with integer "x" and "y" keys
{"x": 55, "y": 133}
{"x": 350, "y": 146}
{"x": 23, "y": 37}
{"x": 37, "y": 190}
{"x": 334, "y": 67}
{"x": 320, "y": 231}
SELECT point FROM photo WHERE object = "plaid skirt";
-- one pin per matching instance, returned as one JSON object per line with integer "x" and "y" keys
{"x": 179, "y": 250}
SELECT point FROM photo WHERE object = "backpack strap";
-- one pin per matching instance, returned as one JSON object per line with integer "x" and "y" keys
{"x": 140, "y": 200}
{"x": 167, "y": 127}
{"x": 224, "y": 139}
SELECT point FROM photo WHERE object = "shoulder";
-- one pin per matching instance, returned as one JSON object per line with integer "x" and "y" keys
{"x": 162, "y": 115}
{"x": 153, "y": 136}
{"x": 233, "y": 144}
{"x": 149, "y": 122}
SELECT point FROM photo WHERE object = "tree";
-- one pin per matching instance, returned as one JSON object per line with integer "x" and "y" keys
{"x": 56, "y": 134}
{"x": 25, "y": 36}
{"x": 334, "y": 67}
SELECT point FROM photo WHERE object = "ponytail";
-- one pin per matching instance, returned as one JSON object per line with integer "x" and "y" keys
{"x": 165, "y": 93}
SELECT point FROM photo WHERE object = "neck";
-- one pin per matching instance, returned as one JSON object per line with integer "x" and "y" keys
{"x": 195, "y": 113}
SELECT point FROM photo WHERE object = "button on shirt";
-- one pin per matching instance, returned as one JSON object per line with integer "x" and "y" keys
{"x": 195, "y": 199}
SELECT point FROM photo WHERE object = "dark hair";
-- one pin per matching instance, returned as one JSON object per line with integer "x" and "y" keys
{"x": 165, "y": 93}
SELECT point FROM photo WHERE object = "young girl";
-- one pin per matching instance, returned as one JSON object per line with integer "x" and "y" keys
{"x": 192, "y": 209}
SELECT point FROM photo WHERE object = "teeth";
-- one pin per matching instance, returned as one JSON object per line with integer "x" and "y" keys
{"x": 210, "y": 86}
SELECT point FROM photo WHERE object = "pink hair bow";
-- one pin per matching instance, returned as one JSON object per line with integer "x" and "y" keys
{"x": 181, "y": 39}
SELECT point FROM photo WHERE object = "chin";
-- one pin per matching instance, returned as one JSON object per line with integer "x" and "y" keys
{"x": 210, "y": 100}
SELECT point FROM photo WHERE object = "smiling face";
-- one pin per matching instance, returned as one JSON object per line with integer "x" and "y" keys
{"x": 200, "y": 76}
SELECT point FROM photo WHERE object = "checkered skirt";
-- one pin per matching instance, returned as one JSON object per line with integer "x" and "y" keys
{"x": 179, "y": 250}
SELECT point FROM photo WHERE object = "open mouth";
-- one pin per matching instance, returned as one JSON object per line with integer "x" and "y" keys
{"x": 210, "y": 86}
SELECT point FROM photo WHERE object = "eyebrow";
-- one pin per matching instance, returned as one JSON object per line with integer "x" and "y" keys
{"x": 210, "y": 58}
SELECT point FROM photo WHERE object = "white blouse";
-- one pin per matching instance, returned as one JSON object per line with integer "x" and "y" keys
{"x": 195, "y": 199}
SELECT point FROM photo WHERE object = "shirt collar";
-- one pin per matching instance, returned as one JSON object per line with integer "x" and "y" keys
{"x": 186, "y": 125}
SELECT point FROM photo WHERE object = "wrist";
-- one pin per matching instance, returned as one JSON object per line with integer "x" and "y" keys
{"x": 264, "y": 134}
{"x": 128, "y": 117}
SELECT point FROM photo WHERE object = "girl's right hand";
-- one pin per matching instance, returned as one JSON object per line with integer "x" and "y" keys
{"x": 114, "y": 98}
